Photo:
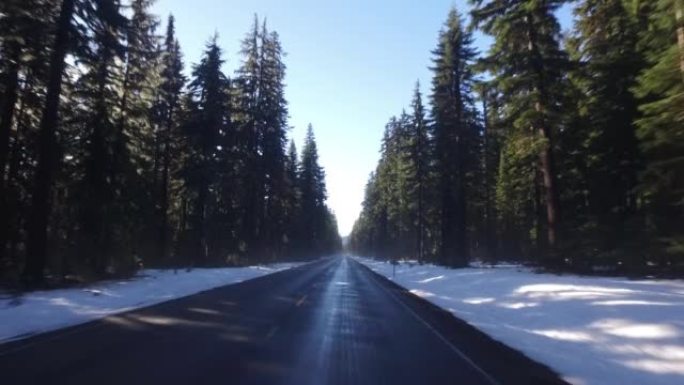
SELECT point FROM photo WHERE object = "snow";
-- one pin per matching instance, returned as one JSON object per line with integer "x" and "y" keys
{"x": 42, "y": 311}
{"x": 591, "y": 330}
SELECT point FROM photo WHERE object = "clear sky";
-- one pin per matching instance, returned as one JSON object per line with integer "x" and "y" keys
{"x": 351, "y": 65}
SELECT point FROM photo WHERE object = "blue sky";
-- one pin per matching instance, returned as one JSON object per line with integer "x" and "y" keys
{"x": 351, "y": 65}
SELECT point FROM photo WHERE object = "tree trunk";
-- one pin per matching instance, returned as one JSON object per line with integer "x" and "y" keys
{"x": 679, "y": 16}
{"x": 164, "y": 206}
{"x": 421, "y": 225}
{"x": 420, "y": 237}
{"x": 546, "y": 161}
{"x": 461, "y": 247}
{"x": 548, "y": 171}
{"x": 6, "y": 121}
{"x": 490, "y": 243}
{"x": 201, "y": 213}
{"x": 15, "y": 204}
{"x": 164, "y": 191}
{"x": 40, "y": 203}
{"x": 9, "y": 101}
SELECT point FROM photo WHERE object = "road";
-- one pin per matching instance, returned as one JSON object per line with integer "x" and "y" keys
{"x": 328, "y": 322}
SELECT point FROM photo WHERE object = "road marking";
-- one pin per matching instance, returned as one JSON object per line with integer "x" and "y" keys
{"x": 301, "y": 300}
{"x": 453, "y": 347}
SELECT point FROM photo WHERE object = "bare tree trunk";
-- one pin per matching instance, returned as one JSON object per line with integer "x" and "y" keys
{"x": 490, "y": 246}
{"x": 679, "y": 16}
{"x": 9, "y": 101}
{"x": 546, "y": 161}
{"x": 548, "y": 171}
{"x": 164, "y": 206}
{"x": 47, "y": 163}
{"x": 420, "y": 239}
{"x": 164, "y": 191}
{"x": 421, "y": 225}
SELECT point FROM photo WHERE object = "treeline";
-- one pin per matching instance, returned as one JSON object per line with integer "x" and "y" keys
{"x": 567, "y": 151}
{"x": 110, "y": 155}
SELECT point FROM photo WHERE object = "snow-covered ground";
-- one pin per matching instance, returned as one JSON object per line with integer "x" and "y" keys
{"x": 42, "y": 311}
{"x": 591, "y": 330}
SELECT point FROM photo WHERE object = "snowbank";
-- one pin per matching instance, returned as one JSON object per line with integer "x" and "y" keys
{"x": 42, "y": 311}
{"x": 594, "y": 331}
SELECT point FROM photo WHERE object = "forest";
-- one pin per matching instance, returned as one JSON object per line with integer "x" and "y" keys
{"x": 113, "y": 156}
{"x": 563, "y": 149}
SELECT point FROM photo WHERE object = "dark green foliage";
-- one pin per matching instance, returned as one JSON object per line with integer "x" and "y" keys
{"x": 455, "y": 132}
{"x": 317, "y": 227}
{"x": 590, "y": 129}
{"x": 527, "y": 65}
{"x": 206, "y": 129}
{"x": 417, "y": 201}
{"x": 660, "y": 130}
{"x": 602, "y": 130}
{"x": 167, "y": 142}
{"x": 139, "y": 164}
{"x": 24, "y": 29}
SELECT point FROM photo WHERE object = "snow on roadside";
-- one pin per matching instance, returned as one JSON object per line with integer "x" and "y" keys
{"x": 591, "y": 330}
{"x": 42, "y": 311}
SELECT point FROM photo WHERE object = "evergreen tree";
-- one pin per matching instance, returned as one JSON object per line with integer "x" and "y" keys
{"x": 23, "y": 57}
{"x": 489, "y": 161}
{"x": 131, "y": 165}
{"x": 292, "y": 202}
{"x": 527, "y": 65}
{"x": 274, "y": 110}
{"x": 454, "y": 127}
{"x": 313, "y": 195}
{"x": 137, "y": 153}
{"x": 37, "y": 227}
{"x": 249, "y": 120}
{"x": 660, "y": 131}
{"x": 104, "y": 231}
{"x": 421, "y": 157}
{"x": 165, "y": 119}
{"x": 606, "y": 45}
{"x": 208, "y": 92}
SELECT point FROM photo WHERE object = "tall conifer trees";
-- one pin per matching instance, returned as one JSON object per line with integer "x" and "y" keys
{"x": 454, "y": 125}
{"x": 142, "y": 164}
{"x": 593, "y": 133}
{"x": 660, "y": 91}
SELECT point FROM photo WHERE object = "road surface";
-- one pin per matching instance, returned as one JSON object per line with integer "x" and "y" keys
{"x": 327, "y": 322}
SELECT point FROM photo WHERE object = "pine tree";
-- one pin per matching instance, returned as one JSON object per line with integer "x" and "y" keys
{"x": 137, "y": 155}
{"x": 421, "y": 157}
{"x": 313, "y": 196}
{"x": 275, "y": 113}
{"x": 660, "y": 131}
{"x": 606, "y": 45}
{"x": 208, "y": 91}
{"x": 292, "y": 207}
{"x": 489, "y": 160}
{"x": 249, "y": 120}
{"x": 24, "y": 28}
{"x": 528, "y": 65}
{"x": 37, "y": 227}
{"x": 454, "y": 125}
{"x": 166, "y": 117}
{"x": 104, "y": 234}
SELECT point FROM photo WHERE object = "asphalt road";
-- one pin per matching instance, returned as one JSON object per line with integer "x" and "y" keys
{"x": 328, "y": 322}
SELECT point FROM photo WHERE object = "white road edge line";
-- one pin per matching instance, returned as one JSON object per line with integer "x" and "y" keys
{"x": 453, "y": 347}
